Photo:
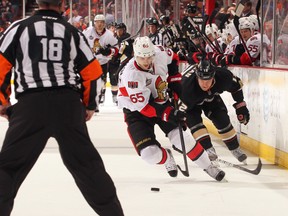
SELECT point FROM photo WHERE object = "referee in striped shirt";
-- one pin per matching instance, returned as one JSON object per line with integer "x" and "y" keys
{"x": 55, "y": 84}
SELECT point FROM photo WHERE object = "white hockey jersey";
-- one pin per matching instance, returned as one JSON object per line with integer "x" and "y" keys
{"x": 209, "y": 49}
{"x": 137, "y": 86}
{"x": 254, "y": 46}
{"x": 97, "y": 41}
{"x": 232, "y": 45}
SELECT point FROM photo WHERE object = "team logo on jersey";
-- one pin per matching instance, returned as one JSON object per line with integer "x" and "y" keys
{"x": 148, "y": 82}
{"x": 145, "y": 45}
{"x": 132, "y": 84}
{"x": 96, "y": 45}
{"x": 161, "y": 87}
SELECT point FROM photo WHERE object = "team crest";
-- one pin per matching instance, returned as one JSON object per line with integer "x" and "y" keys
{"x": 161, "y": 87}
{"x": 96, "y": 45}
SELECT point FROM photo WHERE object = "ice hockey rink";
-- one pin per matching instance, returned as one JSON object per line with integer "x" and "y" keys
{"x": 49, "y": 189}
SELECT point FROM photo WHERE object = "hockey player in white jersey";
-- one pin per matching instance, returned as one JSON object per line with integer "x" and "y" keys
{"x": 101, "y": 42}
{"x": 239, "y": 56}
{"x": 143, "y": 97}
{"x": 212, "y": 34}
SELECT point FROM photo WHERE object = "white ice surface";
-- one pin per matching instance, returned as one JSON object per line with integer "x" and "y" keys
{"x": 49, "y": 189}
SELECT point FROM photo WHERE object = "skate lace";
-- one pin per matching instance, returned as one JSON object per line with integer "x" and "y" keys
{"x": 212, "y": 153}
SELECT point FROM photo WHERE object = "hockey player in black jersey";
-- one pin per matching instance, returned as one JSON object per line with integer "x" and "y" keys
{"x": 202, "y": 87}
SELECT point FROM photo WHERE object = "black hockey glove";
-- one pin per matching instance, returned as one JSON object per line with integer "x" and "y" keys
{"x": 239, "y": 50}
{"x": 175, "y": 116}
{"x": 105, "y": 51}
{"x": 174, "y": 84}
{"x": 242, "y": 112}
{"x": 194, "y": 57}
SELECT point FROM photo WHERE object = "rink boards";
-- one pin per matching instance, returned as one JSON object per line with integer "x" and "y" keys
{"x": 265, "y": 92}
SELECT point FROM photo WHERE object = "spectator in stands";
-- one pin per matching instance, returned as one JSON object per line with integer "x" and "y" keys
{"x": 14, "y": 9}
{"x": 6, "y": 11}
{"x": 75, "y": 17}
{"x": 109, "y": 17}
{"x": 247, "y": 11}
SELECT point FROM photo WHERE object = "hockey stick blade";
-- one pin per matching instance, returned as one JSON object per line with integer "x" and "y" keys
{"x": 256, "y": 171}
{"x": 184, "y": 172}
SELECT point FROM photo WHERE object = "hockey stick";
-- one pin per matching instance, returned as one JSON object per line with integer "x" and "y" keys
{"x": 213, "y": 15}
{"x": 135, "y": 35}
{"x": 257, "y": 13}
{"x": 256, "y": 171}
{"x": 204, "y": 36}
{"x": 153, "y": 10}
{"x": 128, "y": 38}
{"x": 238, "y": 13}
{"x": 186, "y": 171}
{"x": 205, "y": 20}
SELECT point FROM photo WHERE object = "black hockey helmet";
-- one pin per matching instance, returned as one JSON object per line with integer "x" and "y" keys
{"x": 121, "y": 26}
{"x": 194, "y": 34}
{"x": 191, "y": 8}
{"x": 111, "y": 24}
{"x": 152, "y": 21}
{"x": 205, "y": 70}
{"x": 164, "y": 19}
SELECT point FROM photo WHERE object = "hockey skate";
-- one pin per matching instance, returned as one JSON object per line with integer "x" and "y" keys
{"x": 101, "y": 98}
{"x": 215, "y": 172}
{"x": 212, "y": 153}
{"x": 170, "y": 164}
{"x": 239, "y": 155}
{"x": 213, "y": 156}
{"x": 114, "y": 99}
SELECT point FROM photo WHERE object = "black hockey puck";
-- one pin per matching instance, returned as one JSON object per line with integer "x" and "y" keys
{"x": 155, "y": 189}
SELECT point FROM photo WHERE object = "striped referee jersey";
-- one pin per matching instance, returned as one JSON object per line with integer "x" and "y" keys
{"x": 47, "y": 51}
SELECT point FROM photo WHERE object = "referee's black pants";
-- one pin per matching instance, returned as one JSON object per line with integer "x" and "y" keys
{"x": 54, "y": 113}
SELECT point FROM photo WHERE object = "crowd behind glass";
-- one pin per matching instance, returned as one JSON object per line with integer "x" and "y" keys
{"x": 273, "y": 15}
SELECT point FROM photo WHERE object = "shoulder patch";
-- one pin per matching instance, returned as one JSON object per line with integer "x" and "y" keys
{"x": 132, "y": 84}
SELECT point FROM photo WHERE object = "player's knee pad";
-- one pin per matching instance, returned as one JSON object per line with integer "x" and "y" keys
{"x": 151, "y": 154}
{"x": 174, "y": 137}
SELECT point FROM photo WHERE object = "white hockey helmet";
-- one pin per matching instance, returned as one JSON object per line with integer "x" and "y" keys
{"x": 230, "y": 29}
{"x": 99, "y": 17}
{"x": 245, "y": 23}
{"x": 223, "y": 34}
{"x": 143, "y": 47}
{"x": 209, "y": 30}
{"x": 254, "y": 20}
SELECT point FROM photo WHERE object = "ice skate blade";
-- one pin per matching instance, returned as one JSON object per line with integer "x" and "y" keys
{"x": 224, "y": 180}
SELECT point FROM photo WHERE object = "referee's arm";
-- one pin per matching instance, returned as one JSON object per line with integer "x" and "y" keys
{"x": 5, "y": 80}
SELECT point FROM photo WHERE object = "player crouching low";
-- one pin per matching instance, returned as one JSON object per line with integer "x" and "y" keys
{"x": 143, "y": 97}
